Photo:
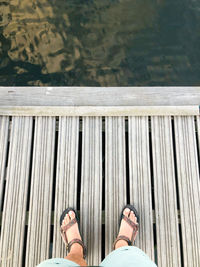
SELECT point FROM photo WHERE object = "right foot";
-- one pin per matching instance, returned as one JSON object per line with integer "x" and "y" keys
{"x": 126, "y": 229}
{"x": 72, "y": 232}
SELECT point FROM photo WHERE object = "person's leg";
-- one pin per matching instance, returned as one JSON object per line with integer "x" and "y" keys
{"x": 76, "y": 255}
{"x": 124, "y": 255}
{"x": 58, "y": 262}
{"x": 129, "y": 256}
{"x": 76, "y": 252}
{"x": 125, "y": 229}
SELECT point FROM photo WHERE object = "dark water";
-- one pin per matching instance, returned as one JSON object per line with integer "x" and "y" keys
{"x": 99, "y": 42}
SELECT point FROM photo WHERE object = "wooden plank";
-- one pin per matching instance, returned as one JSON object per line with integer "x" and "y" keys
{"x": 99, "y": 111}
{"x": 189, "y": 189}
{"x": 39, "y": 224}
{"x": 66, "y": 177}
{"x": 91, "y": 188}
{"x": 13, "y": 221}
{"x": 115, "y": 177}
{"x": 4, "y": 124}
{"x": 198, "y": 133}
{"x": 106, "y": 96}
{"x": 167, "y": 232}
{"x": 140, "y": 181}
{"x": 103, "y": 218}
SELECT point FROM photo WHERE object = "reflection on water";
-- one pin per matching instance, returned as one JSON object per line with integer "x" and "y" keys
{"x": 100, "y": 42}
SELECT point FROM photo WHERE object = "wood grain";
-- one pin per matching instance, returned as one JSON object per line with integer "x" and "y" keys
{"x": 167, "y": 232}
{"x": 99, "y": 111}
{"x": 66, "y": 177}
{"x": 91, "y": 188}
{"x": 189, "y": 188}
{"x": 115, "y": 177}
{"x": 99, "y": 96}
{"x": 39, "y": 224}
{"x": 4, "y": 124}
{"x": 140, "y": 181}
{"x": 14, "y": 212}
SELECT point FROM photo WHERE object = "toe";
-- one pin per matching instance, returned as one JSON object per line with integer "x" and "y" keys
{"x": 71, "y": 214}
{"x": 66, "y": 220}
{"x": 126, "y": 212}
{"x": 132, "y": 216}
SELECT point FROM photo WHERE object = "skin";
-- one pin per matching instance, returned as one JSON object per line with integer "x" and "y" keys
{"x": 76, "y": 252}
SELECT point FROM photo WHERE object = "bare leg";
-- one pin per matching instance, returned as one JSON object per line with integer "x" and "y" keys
{"x": 77, "y": 258}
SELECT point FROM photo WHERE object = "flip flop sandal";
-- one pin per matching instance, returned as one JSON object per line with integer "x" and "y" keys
{"x": 64, "y": 229}
{"x": 131, "y": 223}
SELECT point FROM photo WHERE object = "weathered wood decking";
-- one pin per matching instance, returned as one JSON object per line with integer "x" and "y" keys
{"x": 97, "y": 165}
{"x": 99, "y": 96}
{"x": 162, "y": 180}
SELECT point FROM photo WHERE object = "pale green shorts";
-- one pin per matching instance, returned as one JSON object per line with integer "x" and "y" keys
{"x": 127, "y": 256}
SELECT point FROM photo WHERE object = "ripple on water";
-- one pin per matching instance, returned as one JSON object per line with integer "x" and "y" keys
{"x": 100, "y": 43}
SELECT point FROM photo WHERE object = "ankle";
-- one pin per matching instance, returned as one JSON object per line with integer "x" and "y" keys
{"x": 76, "y": 249}
{"x": 121, "y": 243}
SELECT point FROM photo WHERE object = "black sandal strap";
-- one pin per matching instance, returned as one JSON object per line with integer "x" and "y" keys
{"x": 76, "y": 240}
{"x": 122, "y": 237}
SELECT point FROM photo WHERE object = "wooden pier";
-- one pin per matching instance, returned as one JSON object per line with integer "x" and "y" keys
{"x": 59, "y": 148}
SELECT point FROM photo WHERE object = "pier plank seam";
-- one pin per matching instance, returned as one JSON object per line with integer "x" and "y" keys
{"x": 198, "y": 135}
{"x": 91, "y": 187}
{"x": 13, "y": 219}
{"x": 189, "y": 189}
{"x": 66, "y": 176}
{"x": 115, "y": 177}
{"x": 4, "y": 128}
{"x": 95, "y": 96}
{"x": 100, "y": 111}
{"x": 140, "y": 181}
{"x": 165, "y": 193}
{"x": 38, "y": 237}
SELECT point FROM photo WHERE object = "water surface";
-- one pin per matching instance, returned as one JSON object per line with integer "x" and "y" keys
{"x": 99, "y": 42}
